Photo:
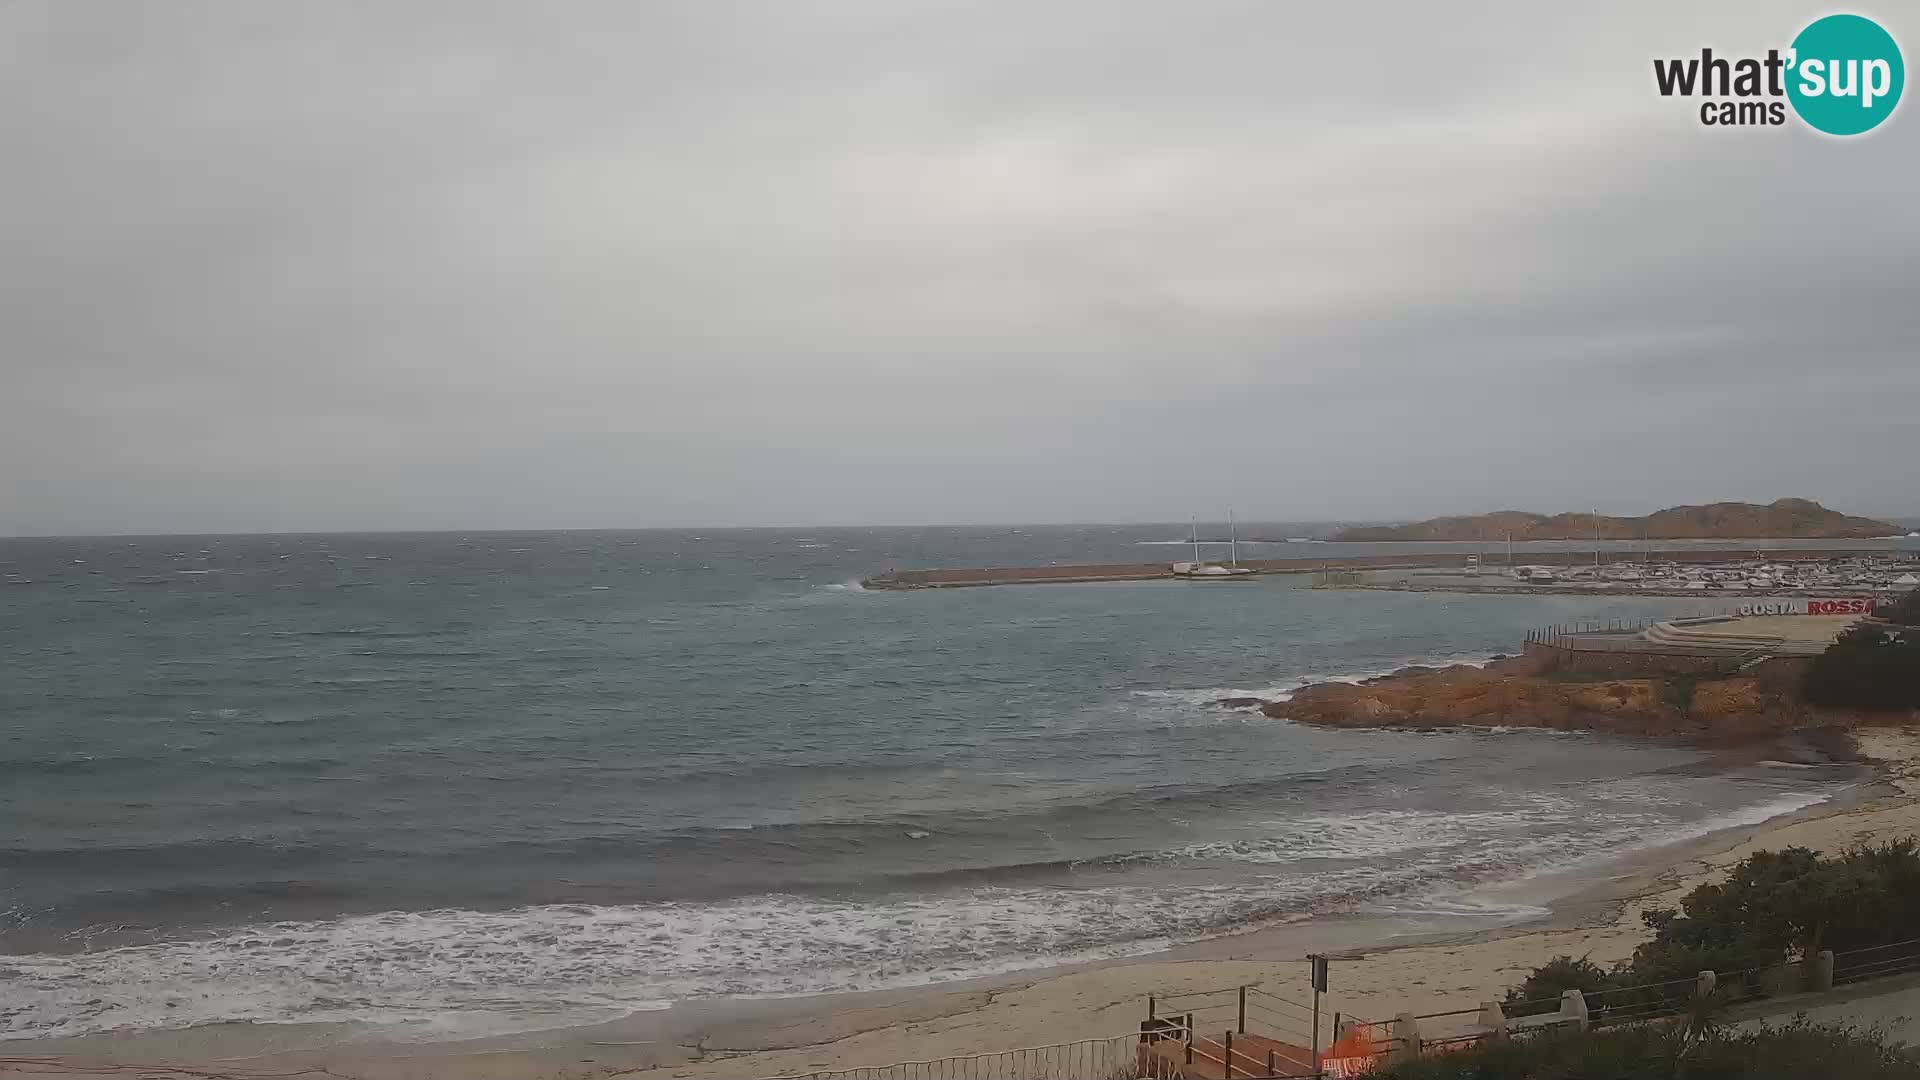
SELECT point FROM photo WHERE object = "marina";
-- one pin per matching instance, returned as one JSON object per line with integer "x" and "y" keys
{"x": 1693, "y": 572}
{"x": 1807, "y": 574}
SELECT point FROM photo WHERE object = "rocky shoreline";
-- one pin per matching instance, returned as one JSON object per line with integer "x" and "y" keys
{"x": 1527, "y": 692}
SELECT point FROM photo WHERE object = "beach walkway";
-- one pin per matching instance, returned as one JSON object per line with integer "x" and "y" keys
{"x": 1207, "y": 1058}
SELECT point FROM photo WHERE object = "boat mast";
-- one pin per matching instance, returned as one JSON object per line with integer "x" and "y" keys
{"x": 1194, "y": 523}
{"x": 1233, "y": 543}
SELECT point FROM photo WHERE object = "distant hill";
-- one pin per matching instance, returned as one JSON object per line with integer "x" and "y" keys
{"x": 1783, "y": 518}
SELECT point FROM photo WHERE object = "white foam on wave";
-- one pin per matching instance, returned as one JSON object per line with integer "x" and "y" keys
{"x": 1536, "y": 837}
{"x": 1277, "y": 692}
{"x": 456, "y": 973}
{"x": 1459, "y": 906}
{"x": 439, "y": 974}
{"x": 1791, "y": 802}
{"x": 459, "y": 973}
{"x": 1619, "y": 840}
{"x": 1375, "y": 834}
{"x": 1284, "y": 691}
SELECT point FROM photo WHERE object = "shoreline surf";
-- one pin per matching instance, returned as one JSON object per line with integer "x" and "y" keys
{"x": 524, "y": 948}
{"x": 1379, "y": 961}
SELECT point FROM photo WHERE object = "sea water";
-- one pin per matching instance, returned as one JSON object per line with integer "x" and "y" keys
{"x": 460, "y": 783}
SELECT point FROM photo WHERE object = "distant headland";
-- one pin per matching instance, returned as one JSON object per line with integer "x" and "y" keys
{"x": 1780, "y": 519}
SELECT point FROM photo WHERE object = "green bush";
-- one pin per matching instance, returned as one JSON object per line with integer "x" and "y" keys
{"x": 1541, "y": 992}
{"x": 1795, "y": 1052}
{"x": 1678, "y": 691}
{"x": 1905, "y": 611}
{"x": 1773, "y": 907}
{"x": 1871, "y": 667}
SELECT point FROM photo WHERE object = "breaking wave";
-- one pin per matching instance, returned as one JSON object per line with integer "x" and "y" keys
{"x": 1284, "y": 691}
{"x": 458, "y": 973}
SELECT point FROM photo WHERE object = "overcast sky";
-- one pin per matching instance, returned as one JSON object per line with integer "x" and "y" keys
{"x": 290, "y": 266}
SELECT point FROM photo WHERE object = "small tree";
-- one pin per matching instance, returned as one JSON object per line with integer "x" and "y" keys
{"x": 1541, "y": 992}
{"x": 1904, "y": 611}
{"x": 1871, "y": 666}
{"x": 1758, "y": 903}
{"x": 1773, "y": 906}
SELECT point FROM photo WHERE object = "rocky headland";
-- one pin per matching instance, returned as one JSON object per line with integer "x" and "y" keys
{"x": 1782, "y": 518}
{"x": 1524, "y": 692}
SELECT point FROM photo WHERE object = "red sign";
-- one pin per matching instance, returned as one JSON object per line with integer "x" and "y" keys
{"x": 1855, "y": 605}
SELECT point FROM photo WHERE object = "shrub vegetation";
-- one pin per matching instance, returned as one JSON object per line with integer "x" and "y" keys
{"x": 1774, "y": 907}
{"x": 1798, "y": 1051}
{"x": 1875, "y": 665}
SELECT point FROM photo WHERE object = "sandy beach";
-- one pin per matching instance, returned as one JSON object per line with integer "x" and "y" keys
{"x": 1381, "y": 967}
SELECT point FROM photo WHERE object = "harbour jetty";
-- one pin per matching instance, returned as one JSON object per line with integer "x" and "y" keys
{"x": 967, "y": 577}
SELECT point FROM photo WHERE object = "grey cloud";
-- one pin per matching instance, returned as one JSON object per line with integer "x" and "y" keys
{"x": 394, "y": 266}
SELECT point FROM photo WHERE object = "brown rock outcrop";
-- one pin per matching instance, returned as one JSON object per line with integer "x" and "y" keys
{"x": 1515, "y": 694}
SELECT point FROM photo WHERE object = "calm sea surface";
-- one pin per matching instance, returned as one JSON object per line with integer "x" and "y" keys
{"x": 476, "y": 782}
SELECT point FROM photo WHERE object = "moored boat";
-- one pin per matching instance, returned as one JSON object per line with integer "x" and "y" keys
{"x": 1201, "y": 570}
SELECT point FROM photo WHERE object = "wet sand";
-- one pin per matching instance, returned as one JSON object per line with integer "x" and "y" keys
{"x": 1382, "y": 965}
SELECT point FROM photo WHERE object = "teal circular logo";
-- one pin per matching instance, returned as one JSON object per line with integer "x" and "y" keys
{"x": 1846, "y": 74}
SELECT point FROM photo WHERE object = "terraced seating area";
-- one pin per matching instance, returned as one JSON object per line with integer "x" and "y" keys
{"x": 1778, "y": 635}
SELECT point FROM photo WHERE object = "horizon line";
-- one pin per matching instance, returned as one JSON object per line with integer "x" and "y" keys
{"x": 1894, "y": 519}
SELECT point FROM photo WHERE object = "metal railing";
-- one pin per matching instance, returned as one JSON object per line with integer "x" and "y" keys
{"x": 1240, "y": 1009}
{"x": 1232, "y": 1031}
{"x": 1205, "y": 1028}
{"x": 1521, "y": 1010}
{"x": 1179, "y": 1049}
{"x": 1641, "y": 1002}
{"x": 1876, "y": 961}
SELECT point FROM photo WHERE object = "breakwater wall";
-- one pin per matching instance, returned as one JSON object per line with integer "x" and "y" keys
{"x": 964, "y": 577}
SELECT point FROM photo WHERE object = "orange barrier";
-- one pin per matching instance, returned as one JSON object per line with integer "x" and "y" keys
{"x": 1352, "y": 1054}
